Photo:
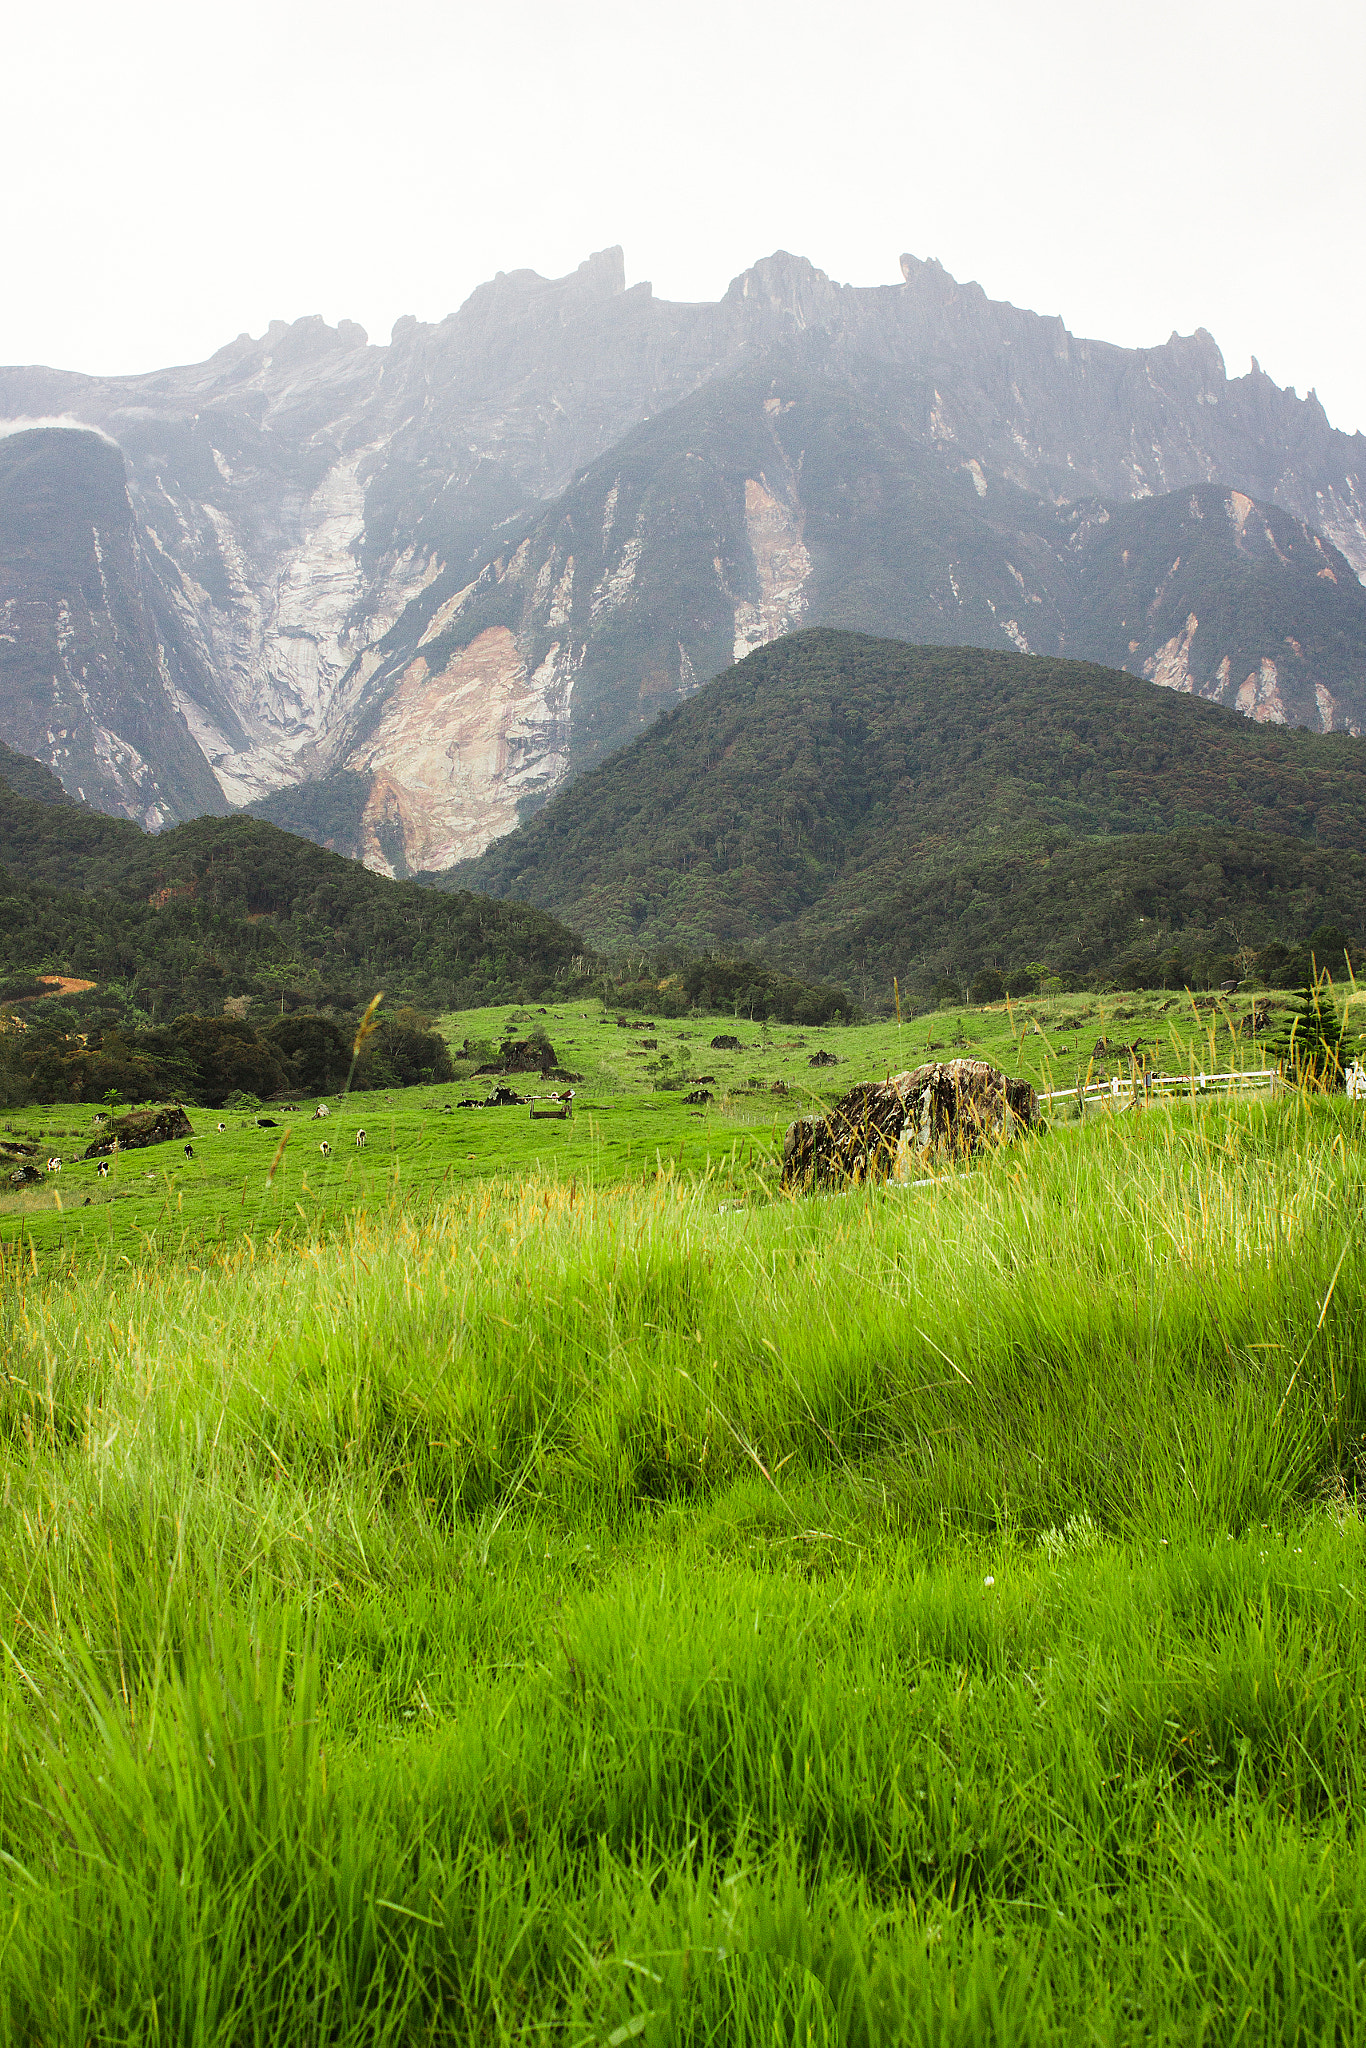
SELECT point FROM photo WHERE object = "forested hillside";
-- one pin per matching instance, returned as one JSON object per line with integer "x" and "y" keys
{"x": 857, "y": 808}
{"x": 233, "y": 908}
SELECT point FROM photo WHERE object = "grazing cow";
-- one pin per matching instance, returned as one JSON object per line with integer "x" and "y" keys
{"x": 325, "y": 1149}
{"x": 321, "y": 1110}
{"x": 360, "y": 1137}
{"x": 222, "y": 1127}
{"x": 54, "y": 1165}
{"x": 189, "y": 1151}
{"x": 103, "y": 1169}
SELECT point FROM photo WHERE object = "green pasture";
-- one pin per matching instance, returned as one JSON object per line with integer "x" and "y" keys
{"x": 419, "y": 1144}
{"x": 562, "y": 1604}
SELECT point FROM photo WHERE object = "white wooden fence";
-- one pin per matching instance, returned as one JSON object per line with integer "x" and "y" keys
{"x": 1145, "y": 1086}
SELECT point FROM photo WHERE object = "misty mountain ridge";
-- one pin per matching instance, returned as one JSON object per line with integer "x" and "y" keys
{"x": 403, "y": 593}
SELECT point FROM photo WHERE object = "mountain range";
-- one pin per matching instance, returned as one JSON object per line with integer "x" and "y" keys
{"x": 394, "y": 597}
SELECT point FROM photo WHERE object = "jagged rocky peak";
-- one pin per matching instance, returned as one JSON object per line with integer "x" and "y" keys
{"x": 513, "y": 295}
{"x": 788, "y": 284}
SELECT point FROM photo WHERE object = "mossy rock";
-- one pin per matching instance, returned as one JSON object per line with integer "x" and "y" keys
{"x": 141, "y": 1127}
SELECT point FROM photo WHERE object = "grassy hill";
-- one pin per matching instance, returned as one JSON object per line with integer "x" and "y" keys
{"x": 606, "y": 1604}
{"x": 855, "y": 808}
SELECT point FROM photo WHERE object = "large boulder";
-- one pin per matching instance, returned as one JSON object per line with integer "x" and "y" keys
{"x": 523, "y": 1056}
{"x": 949, "y": 1107}
{"x": 140, "y": 1127}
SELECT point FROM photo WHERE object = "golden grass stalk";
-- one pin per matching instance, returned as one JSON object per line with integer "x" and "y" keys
{"x": 368, "y": 1025}
{"x": 279, "y": 1155}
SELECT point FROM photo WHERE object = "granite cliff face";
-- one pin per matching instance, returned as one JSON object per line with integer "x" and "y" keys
{"x": 85, "y": 683}
{"x": 403, "y": 592}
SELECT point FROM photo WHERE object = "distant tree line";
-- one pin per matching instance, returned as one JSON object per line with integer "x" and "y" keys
{"x": 1326, "y": 952}
{"x": 208, "y": 1059}
{"x": 675, "y": 984}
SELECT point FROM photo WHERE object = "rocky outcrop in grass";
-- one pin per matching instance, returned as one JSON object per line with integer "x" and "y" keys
{"x": 140, "y": 1127}
{"x": 948, "y": 1107}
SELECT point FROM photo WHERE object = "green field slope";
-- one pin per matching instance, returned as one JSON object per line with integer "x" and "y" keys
{"x": 857, "y": 808}
{"x": 545, "y": 1610}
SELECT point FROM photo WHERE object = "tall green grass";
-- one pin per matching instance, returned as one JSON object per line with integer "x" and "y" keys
{"x": 928, "y": 1614}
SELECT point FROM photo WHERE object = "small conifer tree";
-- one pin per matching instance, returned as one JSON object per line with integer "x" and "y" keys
{"x": 1309, "y": 1046}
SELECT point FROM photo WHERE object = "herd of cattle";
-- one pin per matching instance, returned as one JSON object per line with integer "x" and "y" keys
{"x": 563, "y": 1108}
{"x": 54, "y": 1163}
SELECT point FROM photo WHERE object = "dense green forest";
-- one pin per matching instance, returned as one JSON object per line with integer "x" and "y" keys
{"x": 229, "y": 956}
{"x": 211, "y": 1060}
{"x": 855, "y": 808}
{"x": 230, "y": 908}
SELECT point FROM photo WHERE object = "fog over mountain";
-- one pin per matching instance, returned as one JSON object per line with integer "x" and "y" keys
{"x": 395, "y": 595}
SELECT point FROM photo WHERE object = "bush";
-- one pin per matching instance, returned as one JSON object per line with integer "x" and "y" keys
{"x": 316, "y": 1056}
{"x": 225, "y": 1053}
{"x": 745, "y": 988}
{"x": 987, "y": 986}
{"x": 403, "y": 1051}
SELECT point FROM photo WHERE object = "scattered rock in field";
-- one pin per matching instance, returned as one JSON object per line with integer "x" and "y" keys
{"x": 141, "y": 1127}
{"x": 522, "y": 1056}
{"x": 725, "y": 1043}
{"x": 953, "y": 1106}
{"x": 699, "y": 1095}
{"x": 778, "y": 1088}
{"x": 823, "y": 1059}
{"x": 501, "y": 1098}
{"x": 24, "y": 1176}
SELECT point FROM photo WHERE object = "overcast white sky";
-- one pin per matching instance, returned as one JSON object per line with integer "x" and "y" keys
{"x": 171, "y": 174}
